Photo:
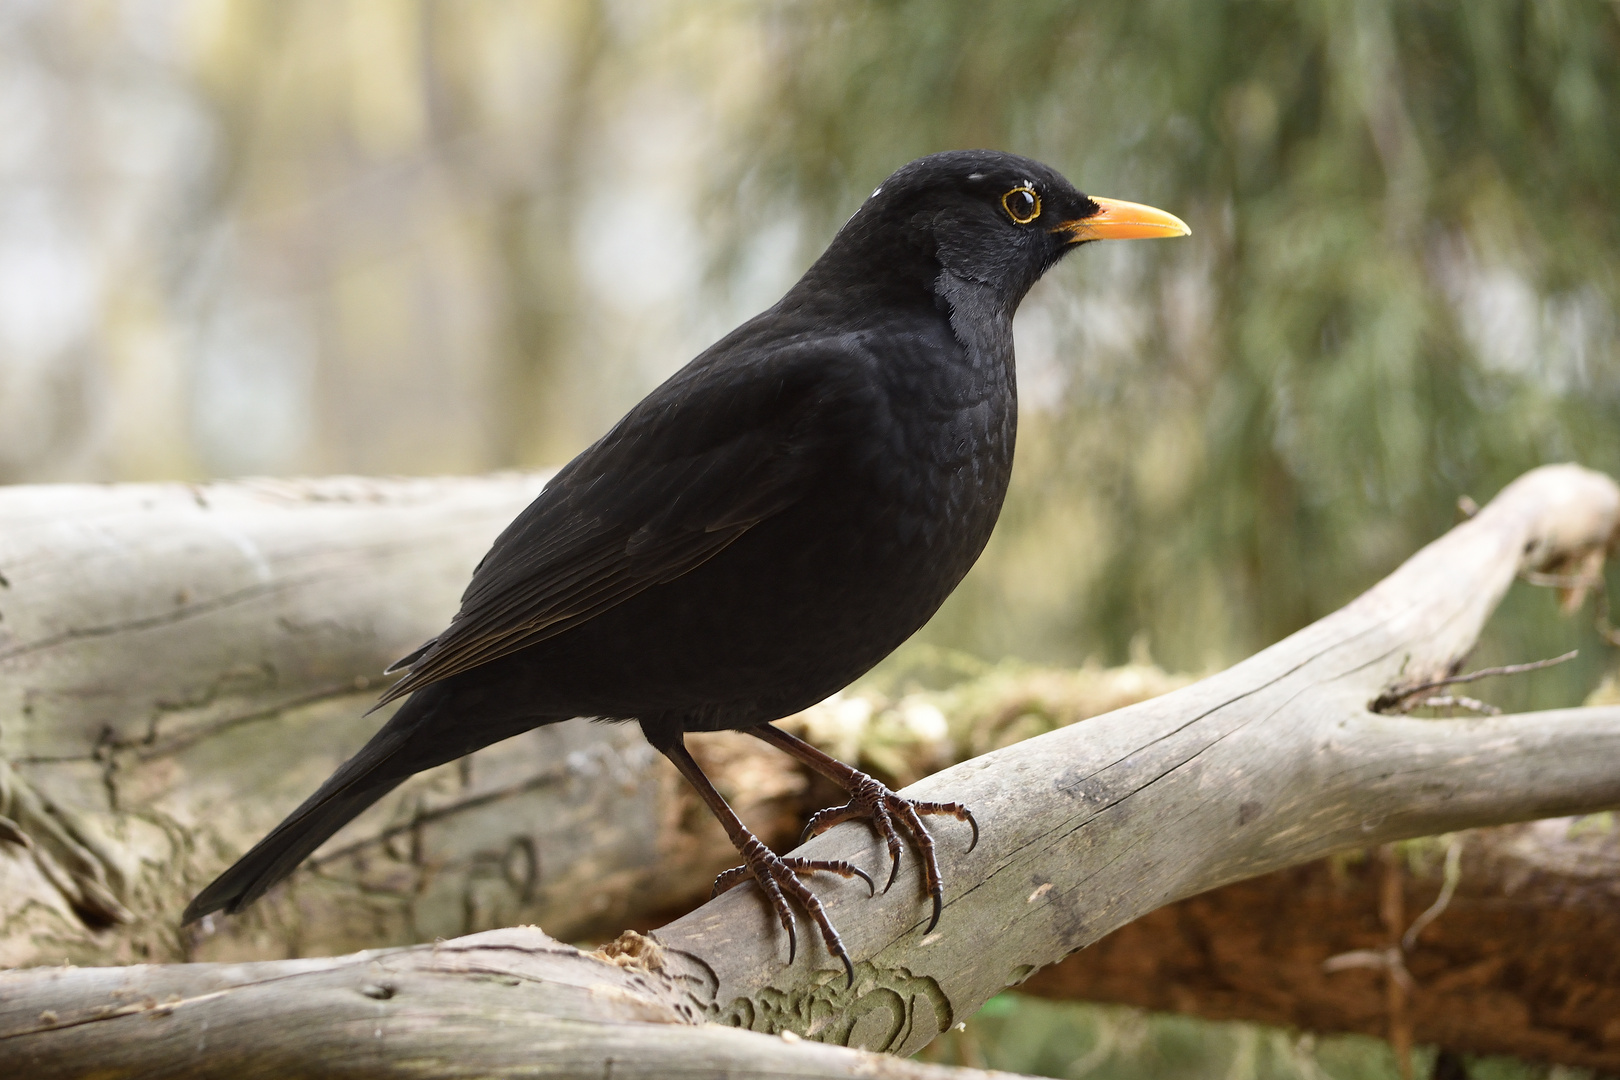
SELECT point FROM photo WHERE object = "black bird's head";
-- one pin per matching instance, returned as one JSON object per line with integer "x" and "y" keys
{"x": 981, "y": 215}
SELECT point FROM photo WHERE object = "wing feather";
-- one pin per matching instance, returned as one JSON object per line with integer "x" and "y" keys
{"x": 704, "y": 458}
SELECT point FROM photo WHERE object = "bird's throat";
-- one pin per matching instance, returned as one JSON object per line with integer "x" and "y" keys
{"x": 980, "y": 319}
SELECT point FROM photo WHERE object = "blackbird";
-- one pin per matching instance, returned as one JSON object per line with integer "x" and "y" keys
{"x": 761, "y": 529}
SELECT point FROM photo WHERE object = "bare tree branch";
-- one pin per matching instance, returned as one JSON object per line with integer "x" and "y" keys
{"x": 1271, "y": 763}
{"x": 1274, "y": 762}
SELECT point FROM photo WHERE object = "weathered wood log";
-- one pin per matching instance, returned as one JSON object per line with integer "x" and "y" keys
{"x": 1273, "y": 762}
{"x": 178, "y": 669}
{"x": 500, "y": 1003}
{"x": 181, "y": 664}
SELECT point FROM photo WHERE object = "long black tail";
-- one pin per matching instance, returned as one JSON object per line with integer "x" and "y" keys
{"x": 417, "y": 737}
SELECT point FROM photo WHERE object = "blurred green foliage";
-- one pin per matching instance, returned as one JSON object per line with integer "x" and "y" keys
{"x": 306, "y": 236}
{"x": 1401, "y": 288}
{"x": 1099, "y": 1042}
{"x": 295, "y": 236}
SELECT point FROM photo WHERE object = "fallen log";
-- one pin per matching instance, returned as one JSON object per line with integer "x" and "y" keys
{"x": 181, "y": 664}
{"x": 1273, "y": 762}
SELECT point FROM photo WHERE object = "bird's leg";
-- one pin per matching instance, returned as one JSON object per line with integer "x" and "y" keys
{"x": 776, "y": 875}
{"x": 871, "y": 801}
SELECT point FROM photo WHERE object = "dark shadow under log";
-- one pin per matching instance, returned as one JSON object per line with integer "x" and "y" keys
{"x": 1523, "y": 960}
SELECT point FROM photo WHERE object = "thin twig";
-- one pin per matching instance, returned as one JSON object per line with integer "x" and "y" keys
{"x": 1391, "y": 959}
{"x": 1399, "y": 697}
{"x": 1448, "y": 889}
{"x": 1388, "y": 960}
{"x": 1397, "y": 989}
{"x": 1485, "y": 673}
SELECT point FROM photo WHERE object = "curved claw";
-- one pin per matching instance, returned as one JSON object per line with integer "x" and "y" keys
{"x": 884, "y": 823}
{"x": 871, "y": 889}
{"x": 826, "y": 818}
{"x": 880, "y": 807}
{"x": 777, "y": 875}
{"x": 831, "y": 866}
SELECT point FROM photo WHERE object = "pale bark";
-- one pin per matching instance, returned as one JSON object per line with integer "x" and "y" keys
{"x": 500, "y": 1003}
{"x": 1273, "y": 762}
{"x": 180, "y": 665}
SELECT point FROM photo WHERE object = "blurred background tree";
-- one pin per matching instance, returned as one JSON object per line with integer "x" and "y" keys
{"x": 1400, "y": 288}
{"x": 379, "y": 236}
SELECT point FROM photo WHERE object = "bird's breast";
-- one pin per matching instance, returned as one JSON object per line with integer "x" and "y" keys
{"x": 938, "y": 480}
{"x": 913, "y": 454}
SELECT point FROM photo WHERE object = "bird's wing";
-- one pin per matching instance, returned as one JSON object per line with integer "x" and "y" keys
{"x": 715, "y": 450}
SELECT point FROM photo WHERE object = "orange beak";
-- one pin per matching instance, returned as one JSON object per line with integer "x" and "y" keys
{"x": 1117, "y": 220}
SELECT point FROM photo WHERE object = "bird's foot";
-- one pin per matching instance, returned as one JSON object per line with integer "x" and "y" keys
{"x": 873, "y": 802}
{"x": 778, "y": 878}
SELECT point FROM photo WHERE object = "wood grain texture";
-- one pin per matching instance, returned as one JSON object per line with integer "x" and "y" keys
{"x": 180, "y": 665}
{"x": 505, "y": 1003}
{"x": 1271, "y": 763}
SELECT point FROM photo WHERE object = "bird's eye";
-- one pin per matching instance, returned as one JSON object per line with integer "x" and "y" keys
{"x": 1022, "y": 204}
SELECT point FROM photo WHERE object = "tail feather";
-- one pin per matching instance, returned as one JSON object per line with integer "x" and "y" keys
{"x": 380, "y": 766}
{"x": 436, "y": 724}
{"x": 287, "y": 845}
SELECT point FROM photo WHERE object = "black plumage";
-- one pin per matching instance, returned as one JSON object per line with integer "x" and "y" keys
{"x": 761, "y": 529}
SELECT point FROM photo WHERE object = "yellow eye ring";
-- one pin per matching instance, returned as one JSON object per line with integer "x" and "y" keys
{"x": 1022, "y": 203}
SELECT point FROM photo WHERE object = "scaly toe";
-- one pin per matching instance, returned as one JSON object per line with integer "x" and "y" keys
{"x": 888, "y": 814}
{"x": 778, "y": 879}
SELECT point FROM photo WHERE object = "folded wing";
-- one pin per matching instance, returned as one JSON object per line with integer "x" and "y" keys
{"x": 708, "y": 455}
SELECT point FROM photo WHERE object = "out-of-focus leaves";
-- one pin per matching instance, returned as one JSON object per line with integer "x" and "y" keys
{"x": 286, "y": 236}
{"x": 900, "y": 729}
{"x": 1401, "y": 286}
